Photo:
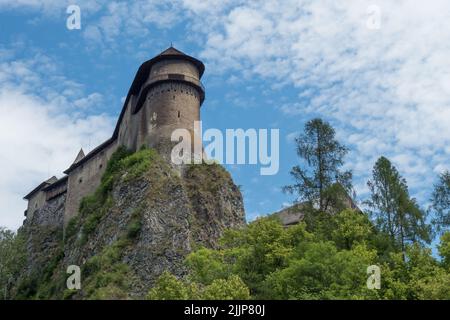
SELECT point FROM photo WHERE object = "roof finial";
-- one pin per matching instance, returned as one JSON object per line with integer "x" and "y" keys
{"x": 171, "y": 44}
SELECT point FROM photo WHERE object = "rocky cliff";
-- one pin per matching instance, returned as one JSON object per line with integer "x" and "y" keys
{"x": 144, "y": 218}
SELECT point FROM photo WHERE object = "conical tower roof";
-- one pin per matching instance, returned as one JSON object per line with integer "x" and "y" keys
{"x": 80, "y": 156}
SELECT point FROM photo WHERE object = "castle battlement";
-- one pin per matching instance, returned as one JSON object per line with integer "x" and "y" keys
{"x": 166, "y": 94}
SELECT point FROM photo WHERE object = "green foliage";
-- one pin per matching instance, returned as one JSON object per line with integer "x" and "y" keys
{"x": 135, "y": 224}
{"x": 323, "y": 272}
{"x": 232, "y": 288}
{"x": 413, "y": 277}
{"x": 208, "y": 266}
{"x": 444, "y": 249}
{"x": 435, "y": 286}
{"x": 441, "y": 202}
{"x": 72, "y": 227}
{"x": 207, "y": 178}
{"x": 12, "y": 258}
{"x": 267, "y": 261}
{"x": 352, "y": 227}
{"x": 122, "y": 165}
{"x": 105, "y": 276}
{"x": 168, "y": 287}
{"x": 44, "y": 282}
{"x": 321, "y": 180}
{"x": 115, "y": 162}
{"x": 394, "y": 212}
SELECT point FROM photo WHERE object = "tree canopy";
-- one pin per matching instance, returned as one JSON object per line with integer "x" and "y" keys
{"x": 320, "y": 180}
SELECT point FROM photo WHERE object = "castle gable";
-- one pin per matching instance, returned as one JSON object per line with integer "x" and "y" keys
{"x": 40, "y": 187}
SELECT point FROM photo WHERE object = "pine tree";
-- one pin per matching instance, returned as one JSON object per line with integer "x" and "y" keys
{"x": 395, "y": 212}
{"x": 440, "y": 200}
{"x": 320, "y": 182}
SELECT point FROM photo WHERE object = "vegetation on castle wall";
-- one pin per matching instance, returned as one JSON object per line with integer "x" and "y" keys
{"x": 105, "y": 275}
{"x": 206, "y": 178}
{"x": 45, "y": 281}
{"x": 123, "y": 166}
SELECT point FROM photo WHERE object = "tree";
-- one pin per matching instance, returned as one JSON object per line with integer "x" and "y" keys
{"x": 321, "y": 183}
{"x": 394, "y": 211}
{"x": 12, "y": 258}
{"x": 444, "y": 249}
{"x": 232, "y": 288}
{"x": 440, "y": 202}
{"x": 168, "y": 287}
{"x": 323, "y": 272}
{"x": 352, "y": 227}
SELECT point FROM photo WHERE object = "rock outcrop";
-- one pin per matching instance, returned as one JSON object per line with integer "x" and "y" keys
{"x": 144, "y": 218}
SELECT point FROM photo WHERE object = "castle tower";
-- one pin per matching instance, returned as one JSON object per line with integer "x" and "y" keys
{"x": 166, "y": 95}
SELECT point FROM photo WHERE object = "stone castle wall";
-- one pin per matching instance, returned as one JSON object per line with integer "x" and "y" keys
{"x": 85, "y": 179}
{"x": 35, "y": 203}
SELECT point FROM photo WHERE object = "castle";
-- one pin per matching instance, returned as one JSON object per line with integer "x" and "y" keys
{"x": 166, "y": 94}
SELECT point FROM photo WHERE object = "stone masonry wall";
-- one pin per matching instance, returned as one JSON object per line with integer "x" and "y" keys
{"x": 85, "y": 179}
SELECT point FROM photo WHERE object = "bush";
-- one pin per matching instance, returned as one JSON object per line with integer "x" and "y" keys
{"x": 232, "y": 288}
{"x": 168, "y": 287}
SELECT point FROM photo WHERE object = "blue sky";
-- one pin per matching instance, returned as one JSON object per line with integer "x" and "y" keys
{"x": 271, "y": 64}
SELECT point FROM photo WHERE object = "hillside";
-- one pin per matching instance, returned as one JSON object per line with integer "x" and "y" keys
{"x": 144, "y": 219}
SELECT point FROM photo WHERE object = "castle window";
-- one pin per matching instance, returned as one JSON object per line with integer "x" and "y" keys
{"x": 179, "y": 114}
{"x": 173, "y": 97}
{"x": 100, "y": 166}
{"x": 80, "y": 180}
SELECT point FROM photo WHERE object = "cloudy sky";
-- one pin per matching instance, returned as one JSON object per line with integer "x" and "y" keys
{"x": 378, "y": 71}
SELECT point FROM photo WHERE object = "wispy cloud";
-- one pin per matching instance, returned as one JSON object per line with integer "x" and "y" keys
{"x": 387, "y": 90}
{"x": 41, "y": 129}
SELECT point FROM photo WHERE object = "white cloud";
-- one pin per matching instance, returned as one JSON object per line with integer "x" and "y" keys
{"x": 387, "y": 90}
{"x": 40, "y": 135}
{"x": 124, "y": 19}
{"x": 52, "y": 7}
